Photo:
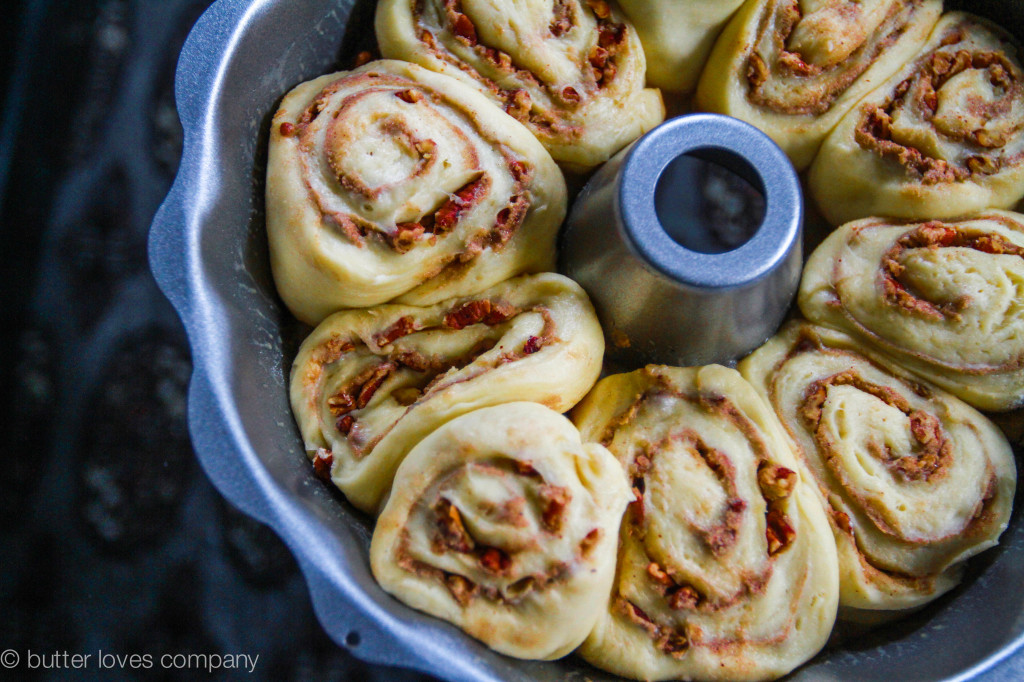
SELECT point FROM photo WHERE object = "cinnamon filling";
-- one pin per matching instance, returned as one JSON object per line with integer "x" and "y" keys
{"x": 935, "y": 234}
{"x": 919, "y": 94}
{"x": 525, "y": 101}
{"x": 357, "y": 393}
{"x": 452, "y": 535}
{"x": 433, "y": 225}
{"x": 933, "y": 451}
{"x": 817, "y": 87}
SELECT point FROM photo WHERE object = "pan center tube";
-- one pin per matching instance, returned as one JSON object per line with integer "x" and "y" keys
{"x": 706, "y": 206}
{"x": 688, "y": 243}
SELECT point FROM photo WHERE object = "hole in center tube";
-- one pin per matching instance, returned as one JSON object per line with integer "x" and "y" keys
{"x": 710, "y": 200}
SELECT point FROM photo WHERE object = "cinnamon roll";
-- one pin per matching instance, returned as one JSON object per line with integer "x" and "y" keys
{"x": 793, "y": 68}
{"x": 504, "y": 523}
{"x": 941, "y": 298}
{"x": 913, "y": 480}
{"x": 367, "y": 385}
{"x": 727, "y": 567}
{"x": 677, "y": 36}
{"x": 943, "y": 138}
{"x": 571, "y": 70}
{"x": 391, "y": 182}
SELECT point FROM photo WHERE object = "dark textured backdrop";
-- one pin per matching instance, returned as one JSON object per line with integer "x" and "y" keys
{"x": 112, "y": 538}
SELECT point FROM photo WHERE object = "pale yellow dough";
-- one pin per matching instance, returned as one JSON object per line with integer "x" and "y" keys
{"x": 392, "y": 182}
{"x": 727, "y": 567}
{"x": 572, "y": 71}
{"x": 505, "y": 524}
{"x": 914, "y": 481}
{"x": 793, "y": 68}
{"x": 677, "y": 36}
{"x": 959, "y": 152}
{"x": 944, "y": 299}
{"x": 399, "y": 371}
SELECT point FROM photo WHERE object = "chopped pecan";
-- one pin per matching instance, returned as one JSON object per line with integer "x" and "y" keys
{"x": 411, "y": 96}
{"x": 447, "y": 217}
{"x": 532, "y": 345}
{"x": 287, "y": 129}
{"x": 842, "y": 520}
{"x": 779, "y": 532}
{"x": 369, "y": 387}
{"x": 525, "y": 468}
{"x": 600, "y": 8}
{"x": 453, "y": 534}
{"x": 673, "y": 643}
{"x": 658, "y": 574}
{"x": 495, "y": 561}
{"x": 322, "y": 463}
{"x": 461, "y": 588}
{"x": 345, "y": 424}
{"x": 403, "y": 326}
{"x": 341, "y": 403}
{"x": 776, "y": 482}
{"x": 555, "y": 499}
{"x": 483, "y": 310}
{"x": 589, "y": 541}
{"x": 684, "y": 597}
{"x": 519, "y": 105}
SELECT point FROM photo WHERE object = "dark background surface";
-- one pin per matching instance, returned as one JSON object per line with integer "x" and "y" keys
{"x": 112, "y": 537}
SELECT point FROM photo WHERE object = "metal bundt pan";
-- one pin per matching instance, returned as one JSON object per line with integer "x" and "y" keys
{"x": 208, "y": 251}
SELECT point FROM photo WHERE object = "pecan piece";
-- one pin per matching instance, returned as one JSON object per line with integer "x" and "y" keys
{"x": 778, "y": 531}
{"x": 322, "y": 463}
{"x": 555, "y": 498}
{"x": 453, "y": 534}
{"x": 776, "y": 482}
{"x": 495, "y": 561}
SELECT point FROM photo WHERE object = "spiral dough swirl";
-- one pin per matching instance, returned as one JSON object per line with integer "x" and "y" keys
{"x": 504, "y": 523}
{"x": 367, "y": 385}
{"x": 794, "y": 68}
{"x": 941, "y": 298}
{"x": 727, "y": 568}
{"x": 571, "y": 71}
{"x": 914, "y": 481}
{"x": 391, "y": 182}
{"x": 942, "y": 138}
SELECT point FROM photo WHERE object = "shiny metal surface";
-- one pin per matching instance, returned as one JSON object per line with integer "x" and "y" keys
{"x": 208, "y": 252}
{"x": 658, "y": 300}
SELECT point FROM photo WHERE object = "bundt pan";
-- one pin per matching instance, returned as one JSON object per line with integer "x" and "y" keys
{"x": 208, "y": 251}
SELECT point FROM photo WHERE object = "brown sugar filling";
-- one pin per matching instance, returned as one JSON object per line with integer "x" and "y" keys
{"x": 550, "y": 504}
{"x": 935, "y": 234}
{"x": 918, "y": 93}
{"x": 829, "y": 82}
{"x": 356, "y": 394}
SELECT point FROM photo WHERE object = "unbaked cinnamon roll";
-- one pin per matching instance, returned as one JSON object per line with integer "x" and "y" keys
{"x": 793, "y": 68}
{"x": 943, "y": 138}
{"x": 571, "y": 70}
{"x": 367, "y": 385}
{"x": 913, "y": 480}
{"x": 677, "y": 36}
{"x": 727, "y": 567}
{"x": 944, "y": 299}
{"x": 505, "y": 524}
{"x": 391, "y": 182}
